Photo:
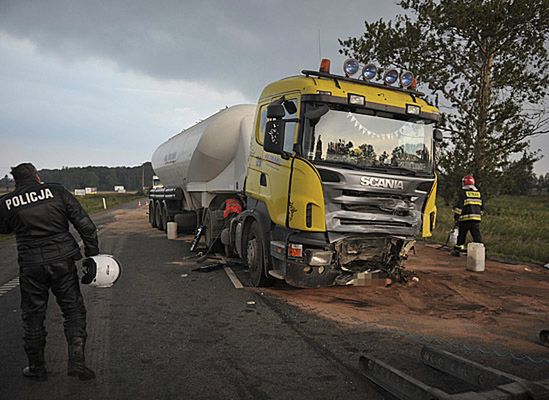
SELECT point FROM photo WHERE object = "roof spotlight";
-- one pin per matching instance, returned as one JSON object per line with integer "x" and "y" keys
{"x": 406, "y": 79}
{"x": 369, "y": 72}
{"x": 390, "y": 76}
{"x": 351, "y": 66}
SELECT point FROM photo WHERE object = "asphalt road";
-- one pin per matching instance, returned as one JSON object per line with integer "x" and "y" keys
{"x": 167, "y": 332}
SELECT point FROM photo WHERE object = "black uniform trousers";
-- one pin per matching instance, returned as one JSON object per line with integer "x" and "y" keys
{"x": 468, "y": 226}
{"x": 35, "y": 282}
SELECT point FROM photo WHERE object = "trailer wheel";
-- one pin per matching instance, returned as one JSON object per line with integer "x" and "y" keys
{"x": 213, "y": 220}
{"x": 158, "y": 215}
{"x": 164, "y": 217}
{"x": 256, "y": 258}
{"x": 152, "y": 217}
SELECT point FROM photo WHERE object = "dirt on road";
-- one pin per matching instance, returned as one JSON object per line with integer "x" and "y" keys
{"x": 506, "y": 304}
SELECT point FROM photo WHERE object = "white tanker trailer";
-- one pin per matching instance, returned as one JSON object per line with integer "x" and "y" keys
{"x": 327, "y": 176}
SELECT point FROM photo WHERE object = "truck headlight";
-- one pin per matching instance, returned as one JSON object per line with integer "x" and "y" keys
{"x": 318, "y": 257}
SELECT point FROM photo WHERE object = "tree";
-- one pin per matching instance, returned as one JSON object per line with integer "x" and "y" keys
{"x": 487, "y": 63}
{"x": 518, "y": 176}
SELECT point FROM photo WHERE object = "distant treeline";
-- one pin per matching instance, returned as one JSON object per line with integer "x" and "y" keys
{"x": 103, "y": 178}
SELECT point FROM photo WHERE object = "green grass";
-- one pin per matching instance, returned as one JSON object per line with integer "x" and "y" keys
{"x": 512, "y": 227}
{"x": 94, "y": 203}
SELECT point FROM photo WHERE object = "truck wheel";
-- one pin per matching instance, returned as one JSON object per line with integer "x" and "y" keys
{"x": 152, "y": 214}
{"x": 255, "y": 258}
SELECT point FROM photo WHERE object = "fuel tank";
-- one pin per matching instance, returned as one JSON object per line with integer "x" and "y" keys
{"x": 212, "y": 154}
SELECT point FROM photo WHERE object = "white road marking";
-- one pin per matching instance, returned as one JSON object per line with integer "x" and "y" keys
{"x": 230, "y": 273}
{"x": 5, "y": 288}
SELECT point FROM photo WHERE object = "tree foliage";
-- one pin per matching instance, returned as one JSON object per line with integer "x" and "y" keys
{"x": 488, "y": 64}
{"x": 103, "y": 178}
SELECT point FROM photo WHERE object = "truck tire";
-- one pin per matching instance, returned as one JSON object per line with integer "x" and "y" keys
{"x": 186, "y": 221}
{"x": 213, "y": 220}
{"x": 158, "y": 215}
{"x": 255, "y": 258}
{"x": 152, "y": 214}
{"x": 164, "y": 217}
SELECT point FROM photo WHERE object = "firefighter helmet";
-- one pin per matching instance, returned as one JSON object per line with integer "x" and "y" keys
{"x": 102, "y": 270}
{"x": 468, "y": 180}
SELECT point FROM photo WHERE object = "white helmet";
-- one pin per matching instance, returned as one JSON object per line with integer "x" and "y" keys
{"x": 101, "y": 270}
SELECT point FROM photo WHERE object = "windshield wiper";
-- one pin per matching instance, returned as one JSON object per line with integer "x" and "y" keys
{"x": 340, "y": 164}
{"x": 404, "y": 171}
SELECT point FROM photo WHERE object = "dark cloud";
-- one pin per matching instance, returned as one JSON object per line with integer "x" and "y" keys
{"x": 240, "y": 44}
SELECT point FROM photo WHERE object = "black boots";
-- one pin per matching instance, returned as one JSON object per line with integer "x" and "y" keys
{"x": 77, "y": 363}
{"x": 37, "y": 366}
{"x": 456, "y": 253}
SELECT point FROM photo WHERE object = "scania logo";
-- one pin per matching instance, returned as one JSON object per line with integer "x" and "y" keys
{"x": 382, "y": 182}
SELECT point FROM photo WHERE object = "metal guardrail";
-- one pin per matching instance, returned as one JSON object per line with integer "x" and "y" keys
{"x": 492, "y": 384}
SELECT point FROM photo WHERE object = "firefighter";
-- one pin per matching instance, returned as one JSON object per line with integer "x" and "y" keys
{"x": 467, "y": 214}
{"x": 39, "y": 215}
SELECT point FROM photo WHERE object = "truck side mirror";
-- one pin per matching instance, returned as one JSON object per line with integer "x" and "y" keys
{"x": 274, "y": 136}
{"x": 437, "y": 135}
{"x": 275, "y": 111}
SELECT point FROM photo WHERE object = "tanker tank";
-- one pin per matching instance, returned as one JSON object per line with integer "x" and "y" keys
{"x": 211, "y": 156}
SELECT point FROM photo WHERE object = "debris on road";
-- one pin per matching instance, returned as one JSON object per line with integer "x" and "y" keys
{"x": 184, "y": 275}
{"x": 209, "y": 267}
{"x": 250, "y": 303}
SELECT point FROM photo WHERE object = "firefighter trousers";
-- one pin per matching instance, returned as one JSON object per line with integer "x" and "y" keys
{"x": 468, "y": 226}
{"x": 35, "y": 283}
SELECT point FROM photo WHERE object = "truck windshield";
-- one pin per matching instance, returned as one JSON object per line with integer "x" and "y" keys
{"x": 360, "y": 141}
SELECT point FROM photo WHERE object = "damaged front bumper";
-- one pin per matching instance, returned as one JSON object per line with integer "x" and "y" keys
{"x": 348, "y": 258}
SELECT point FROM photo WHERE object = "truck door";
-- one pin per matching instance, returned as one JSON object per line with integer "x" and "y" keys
{"x": 269, "y": 174}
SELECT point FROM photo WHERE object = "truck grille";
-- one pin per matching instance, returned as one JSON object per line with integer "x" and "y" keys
{"x": 348, "y": 221}
{"x": 360, "y": 193}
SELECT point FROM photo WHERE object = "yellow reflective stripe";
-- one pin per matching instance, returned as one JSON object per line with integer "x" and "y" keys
{"x": 473, "y": 194}
{"x": 470, "y": 217}
{"x": 472, "y": 202}
{"x": 457, "y": 211}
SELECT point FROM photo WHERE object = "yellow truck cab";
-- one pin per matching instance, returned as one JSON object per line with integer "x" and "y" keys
{"x": 342, "y": 172}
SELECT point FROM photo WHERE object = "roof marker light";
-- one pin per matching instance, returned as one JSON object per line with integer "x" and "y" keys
{"x": 325, "y": 65}
{"x": 413, "y": 109}
{"x": 390, "y": 76}
{"x": 369, "y": 72}
{"x": 356, "y": 100}
{"x": 350, "y": 67}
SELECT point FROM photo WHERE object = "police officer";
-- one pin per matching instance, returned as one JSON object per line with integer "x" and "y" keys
{"x": 467, "y": 213}
{"x": 39, "y": 215}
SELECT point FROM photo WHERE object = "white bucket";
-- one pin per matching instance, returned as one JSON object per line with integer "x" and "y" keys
{"x": 475, "y": 257}
{"x": 172, "y": 230}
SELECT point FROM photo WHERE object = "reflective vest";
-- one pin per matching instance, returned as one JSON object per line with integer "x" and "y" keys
{"x": 469, "y": 205}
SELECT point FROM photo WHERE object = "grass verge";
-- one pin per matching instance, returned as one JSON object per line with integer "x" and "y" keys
{"x": 513, "y": 227}
{"x": 94, "y": 203}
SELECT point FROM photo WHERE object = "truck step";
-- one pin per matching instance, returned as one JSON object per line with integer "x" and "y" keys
{"x": 276, "y": 274}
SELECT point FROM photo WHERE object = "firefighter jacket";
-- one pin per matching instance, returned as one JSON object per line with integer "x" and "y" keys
{"x": 469, "y": 205}
{"x": 39, "y": 215}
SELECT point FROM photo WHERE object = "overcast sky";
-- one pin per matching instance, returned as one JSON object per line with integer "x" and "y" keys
{"x": 105, "y": 82}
